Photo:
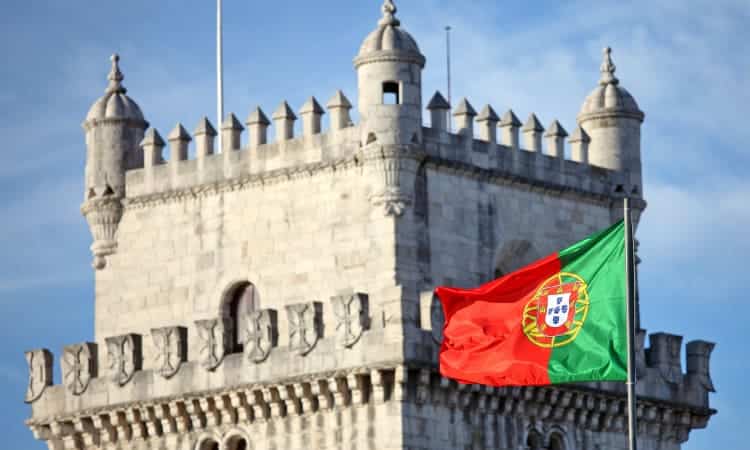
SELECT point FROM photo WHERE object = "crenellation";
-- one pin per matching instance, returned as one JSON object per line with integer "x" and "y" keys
{"x": 231, "y": 132}
{"x": 204, "y": 135}
{"x": 152, "y": 145}
{"x": 532, "y": 132}
{"x": 556, "y": 135}
{"x": 339, "y": 107}
{"x": 487, "y": 121}
{"x": 283, "y": 122}
{"x": 179, "y": 139}
{"x": 464, "y": 114}
{"x": 257, "y": 127}
{"x": 579, "y": 145}
{"x": 439, "y": 109}
{"x": 312, "y": 114}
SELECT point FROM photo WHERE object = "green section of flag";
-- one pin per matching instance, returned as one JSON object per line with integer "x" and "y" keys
{"x": 599, "y": 352}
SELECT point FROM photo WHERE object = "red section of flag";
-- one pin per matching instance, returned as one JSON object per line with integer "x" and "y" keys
{"x": 483, "y": 334}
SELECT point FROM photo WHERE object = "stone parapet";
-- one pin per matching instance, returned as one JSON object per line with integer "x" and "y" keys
{"x": 496, "y": 417}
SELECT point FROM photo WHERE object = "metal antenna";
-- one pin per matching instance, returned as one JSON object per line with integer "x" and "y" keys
{"x": 448, "y": 68}
{"x": 219, "y": 73}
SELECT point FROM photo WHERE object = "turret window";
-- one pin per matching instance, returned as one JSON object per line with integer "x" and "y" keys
{"x": 391, "y": 93}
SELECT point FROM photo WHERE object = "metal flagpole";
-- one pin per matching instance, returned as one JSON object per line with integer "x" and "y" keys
{"x": 448, "y": 69}
{"x": 219, "y": 74}
{"x": 630, "y": 321}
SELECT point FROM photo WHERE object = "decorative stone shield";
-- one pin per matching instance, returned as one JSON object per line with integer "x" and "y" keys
{"x": 261, "y": 334}
{"x": 351, "y": 313}
{"x": 171, "y": 349}
{"x": 79, "y": 365}
{"x": 305, "y": 325}
{"x": 214, "y": 337}
{"x": 125, "y": 357}
{"x": 40, "y": 373}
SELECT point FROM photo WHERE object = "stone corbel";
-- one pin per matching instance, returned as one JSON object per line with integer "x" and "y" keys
{"x": 40, "y": 373}
{"x": 103, "y": 214}
{"x": 393, "y": 201}
{"x": 79, "y": 364}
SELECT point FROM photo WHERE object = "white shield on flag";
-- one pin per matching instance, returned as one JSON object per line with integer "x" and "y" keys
{"x": 558, "y": 309}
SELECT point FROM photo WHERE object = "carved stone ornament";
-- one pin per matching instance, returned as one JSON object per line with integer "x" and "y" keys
{"x": 437, "y": 320}
{"x": 305, "y": 326}
{"x": 125, "y": 356}
{"x": 79, "y": 366}
{"x": 393, "y": 201}
{"x": 351, "y": 313}
{"x": 171, "y": 349}
{"x": 214, "y": 337}
{"x": 261, "y": 334}
{"x": 40, "y": 373}
{"x": 103, "y": 215}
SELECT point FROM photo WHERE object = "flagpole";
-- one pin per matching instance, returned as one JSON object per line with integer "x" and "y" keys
{"x": 630, "y": 321}
{"x": 219, "y": 74}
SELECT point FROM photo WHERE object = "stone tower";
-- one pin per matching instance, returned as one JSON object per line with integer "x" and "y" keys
{"x": 389, "y": 72}
{"x": 612, "y": 119}
{"x": 278, "y": 294}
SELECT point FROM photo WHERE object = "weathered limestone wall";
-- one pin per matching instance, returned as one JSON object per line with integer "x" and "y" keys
{"x": 297, "y": 240}
{"x": 476, "y": 228}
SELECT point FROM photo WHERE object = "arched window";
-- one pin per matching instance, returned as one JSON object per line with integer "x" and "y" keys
{"x": 209, "y": 444}
{"x": 556, "y": 442}
{"x": 237, "y": 443}
{"x": 391, "y": 94}
{"x": 534, "y": 441}
{"x": 242, "y": 299}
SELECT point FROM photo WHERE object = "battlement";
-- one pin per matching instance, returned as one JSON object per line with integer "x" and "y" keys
{"x": 315, "y": 148}
{"x": 281, "y": 375}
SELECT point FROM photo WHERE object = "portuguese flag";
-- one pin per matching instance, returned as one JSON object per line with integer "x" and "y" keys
{"x": 560, "y": 319}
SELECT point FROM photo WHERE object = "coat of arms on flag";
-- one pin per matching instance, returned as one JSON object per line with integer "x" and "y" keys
{"x": 556, "y": 312}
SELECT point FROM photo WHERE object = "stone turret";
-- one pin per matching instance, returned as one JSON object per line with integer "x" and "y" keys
{"x": 389, "y": 69}
{"x": 612, "y": 119}
{"x": 114, "y": 130}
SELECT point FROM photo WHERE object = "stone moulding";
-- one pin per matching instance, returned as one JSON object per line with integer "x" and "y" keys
{"x": 40, "y": 373}
{"x": 260, "y": 334}
{"x": 352, "y": 317}
{"x": 171, "y": 349}
{"x": 79, "y": 365}
{"x": 214, "y": 335}
{"x": 568, "y": 406}
{"x": 305, "y": 326}
{"x": 125, "y": 355}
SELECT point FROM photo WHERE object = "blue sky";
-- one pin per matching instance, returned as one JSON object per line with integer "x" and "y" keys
{"x": 685, "y": 62}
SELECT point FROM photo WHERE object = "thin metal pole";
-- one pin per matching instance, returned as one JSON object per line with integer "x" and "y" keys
{"x": 219, "y": 73}
{"x": 630, "y": 322}
{"x": 448, "y": 69}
